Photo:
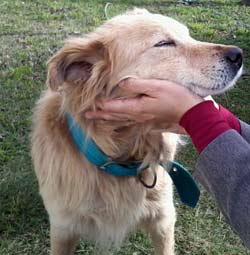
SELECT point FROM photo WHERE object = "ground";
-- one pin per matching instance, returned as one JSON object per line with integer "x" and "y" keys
{"x": 31, "y": 31}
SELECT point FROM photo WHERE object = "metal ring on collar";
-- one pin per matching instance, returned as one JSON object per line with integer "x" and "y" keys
{"x": 145, "y": 184}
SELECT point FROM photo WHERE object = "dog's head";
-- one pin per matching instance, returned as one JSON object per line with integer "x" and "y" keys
{"x": 140, "y": 44}
{"x": 146, "y": 45}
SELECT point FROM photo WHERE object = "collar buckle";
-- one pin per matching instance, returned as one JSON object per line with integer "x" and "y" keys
{"x": 107, "y": 163}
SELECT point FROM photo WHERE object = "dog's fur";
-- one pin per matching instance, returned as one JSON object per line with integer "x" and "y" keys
{"x": 80, "y": 199}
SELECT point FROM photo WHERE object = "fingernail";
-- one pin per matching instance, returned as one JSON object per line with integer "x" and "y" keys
{"x": 100, "y": 104}
{"x": 88, "y": 115}
{"x": 123, "y": 82}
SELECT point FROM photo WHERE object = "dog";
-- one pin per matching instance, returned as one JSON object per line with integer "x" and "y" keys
{"x": 81, "y": 199}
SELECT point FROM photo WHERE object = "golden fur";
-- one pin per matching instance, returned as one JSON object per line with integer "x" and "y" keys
{"x": 81, "y": 200}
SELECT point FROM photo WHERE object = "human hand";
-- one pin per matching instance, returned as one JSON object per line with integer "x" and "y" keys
{"x": 159, "y": 101}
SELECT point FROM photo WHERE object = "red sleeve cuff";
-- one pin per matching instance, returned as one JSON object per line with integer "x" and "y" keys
{"x": 231, "y": 120}
{"x": 204, "y": 123}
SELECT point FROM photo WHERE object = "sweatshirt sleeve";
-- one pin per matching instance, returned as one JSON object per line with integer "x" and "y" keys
{"x": 223, "y": 167}
{"x": 245, "y": 131}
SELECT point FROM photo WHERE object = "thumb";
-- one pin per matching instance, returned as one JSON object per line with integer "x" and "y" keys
{"x": 139, "y": 86}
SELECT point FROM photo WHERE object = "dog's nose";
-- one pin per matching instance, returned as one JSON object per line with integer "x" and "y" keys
{"x": 234, "y": 56}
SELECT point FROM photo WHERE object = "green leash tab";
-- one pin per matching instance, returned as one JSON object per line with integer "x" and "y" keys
{"x": 185, "y": 184}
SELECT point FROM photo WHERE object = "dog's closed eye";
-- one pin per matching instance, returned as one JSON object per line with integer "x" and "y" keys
{"x": 164, "y": 43}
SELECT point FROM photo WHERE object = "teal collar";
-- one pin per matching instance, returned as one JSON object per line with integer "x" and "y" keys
{"x": 94, "y": 155}
{"x": 183, "y": 180}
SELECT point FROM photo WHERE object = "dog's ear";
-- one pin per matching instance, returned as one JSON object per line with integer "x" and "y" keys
{"x": 137, "y": 11}
{"x": 75, "y": 62}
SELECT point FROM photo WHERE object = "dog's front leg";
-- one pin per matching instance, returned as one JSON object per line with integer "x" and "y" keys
{"x": 62, "y": 241}
{"x": 161, "y": 230}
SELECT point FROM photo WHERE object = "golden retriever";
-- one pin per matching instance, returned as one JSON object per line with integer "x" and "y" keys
{"x": 82, "y": 200}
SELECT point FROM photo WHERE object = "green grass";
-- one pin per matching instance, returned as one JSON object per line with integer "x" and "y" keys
{"x": 31, "y": 31}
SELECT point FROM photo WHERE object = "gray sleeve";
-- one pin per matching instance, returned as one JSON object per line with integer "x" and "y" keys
{"x": 224, "y": 170}
{"x": 245, "y": 131}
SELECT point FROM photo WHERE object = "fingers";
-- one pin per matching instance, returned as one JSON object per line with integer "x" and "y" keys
{"x": 102, "y": 115}
{"x": 107, "y": 116}
{"x": 138, "y": 86}
{"x": 177, "y": 129}
{"x": 127, "y": 106}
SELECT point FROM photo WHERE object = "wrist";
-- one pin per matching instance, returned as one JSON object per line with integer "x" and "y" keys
{"x": 204, "y": 123}
{"x": 188, "y": 105}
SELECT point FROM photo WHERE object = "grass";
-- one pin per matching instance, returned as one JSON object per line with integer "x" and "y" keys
{"x": 31, "y": 31}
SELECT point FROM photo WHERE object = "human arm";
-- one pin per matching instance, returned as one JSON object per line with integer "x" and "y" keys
{"x": 223, "y": 166}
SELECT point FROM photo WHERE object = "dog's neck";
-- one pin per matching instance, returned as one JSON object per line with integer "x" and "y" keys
{"x": 126, "y": 143}
{"x": 121, "y": 141}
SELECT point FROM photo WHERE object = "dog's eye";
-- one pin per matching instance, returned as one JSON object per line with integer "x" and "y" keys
{"x": 165, "y": 44}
